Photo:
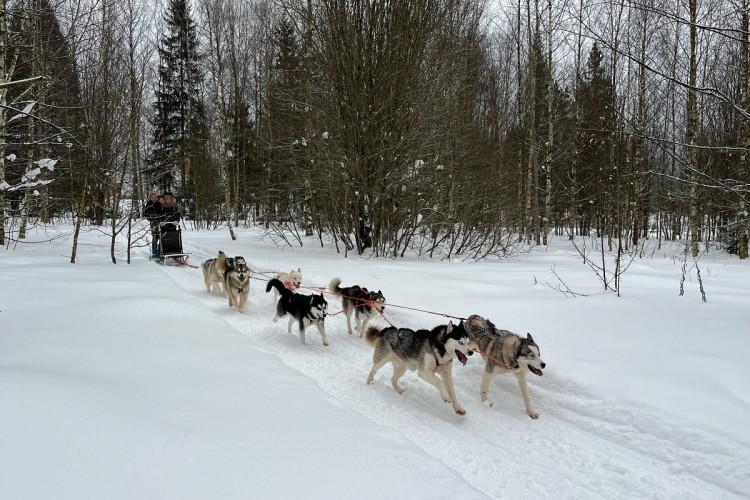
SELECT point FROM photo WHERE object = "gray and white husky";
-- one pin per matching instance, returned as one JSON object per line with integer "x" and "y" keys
{"x": 237, "y": 282}
{"x": 305, "y": 309}
{"x": 429, "y": 352}
{"x": 504, "y": 352}
{"x": 213, "y": 272}
{"x": 358, "y": 300}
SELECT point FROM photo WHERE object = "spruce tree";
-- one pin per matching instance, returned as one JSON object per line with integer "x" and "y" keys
{"x": 597, "y": 123}
{"x": 38, "y": 48}
{"x": 285, "y": 107}
{"x": 179, "y": 112}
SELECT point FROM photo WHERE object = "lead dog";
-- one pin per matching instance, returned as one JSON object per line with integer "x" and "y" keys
{"x": 429, "y": 352}
{"x": 358, "y": 300}
{"x": 237, "y": 282}
{"x": 504, "y": 352}
{"x": 305, "y": 309}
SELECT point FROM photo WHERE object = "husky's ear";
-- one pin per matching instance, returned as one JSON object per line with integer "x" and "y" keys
{"x": 312, "y": 298}
{"x": 381, "y": 293}
{"x": 449, "y": 328}
{"x": 299, "y": 270}
{"x": 529, "y": 338}
{"x": 511, "y": 350}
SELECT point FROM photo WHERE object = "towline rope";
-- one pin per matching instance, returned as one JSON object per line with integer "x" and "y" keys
{"x": 370, "y": 303}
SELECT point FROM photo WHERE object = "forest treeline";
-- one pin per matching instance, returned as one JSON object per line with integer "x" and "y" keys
{"x": 466, "y": 126}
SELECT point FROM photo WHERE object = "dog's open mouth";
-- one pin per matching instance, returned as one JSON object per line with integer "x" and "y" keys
{"x": 536, "y": 371}
{"x": 461, "y": 357}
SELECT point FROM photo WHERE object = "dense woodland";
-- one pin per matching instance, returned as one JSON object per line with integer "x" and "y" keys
{"x": 462, "y": 126}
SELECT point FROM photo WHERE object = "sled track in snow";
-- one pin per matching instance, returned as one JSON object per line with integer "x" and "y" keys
{"x": 581, "y": 447}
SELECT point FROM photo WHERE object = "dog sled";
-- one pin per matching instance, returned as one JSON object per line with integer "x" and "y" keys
{"x": 170, "y": 245}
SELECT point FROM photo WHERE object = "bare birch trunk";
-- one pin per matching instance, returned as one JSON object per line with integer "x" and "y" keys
{"x": 691, "y": 130}
{"x": 3, "y": 93}
{"x": 640, "y": 156}
{"x": 742, "y": 235}
{"x": 532, "y": 202}
{"x": 523, "y": 216}
{"x": 306, "y": 208}
{"x": 26, "y": 195}
{"x": 550, "y": 132}
{"x": 577, "y": 112}
{"x": 79, "y": 212}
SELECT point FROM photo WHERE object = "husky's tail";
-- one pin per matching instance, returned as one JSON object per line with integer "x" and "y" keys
{"x": 279, "y": 286}
{"x": 372, "y": 335}
{"x": 333, "y": 286}
{"x": 221, "y": 262}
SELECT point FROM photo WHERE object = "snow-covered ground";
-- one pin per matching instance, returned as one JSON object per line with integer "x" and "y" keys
{"x": 130, "y": 381}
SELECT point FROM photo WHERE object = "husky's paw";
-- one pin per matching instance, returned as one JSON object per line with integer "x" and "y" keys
{"x": 325, "y": 344}
{"x": 275, "y": 319}
{"x": 370, "y": 381}
{"x": 533, "y": 414}
{"x": 399, "y": 389}
{"x": 459, "y": 410}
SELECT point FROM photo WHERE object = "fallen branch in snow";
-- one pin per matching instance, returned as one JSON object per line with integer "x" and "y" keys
{"x": 563, "y": 287}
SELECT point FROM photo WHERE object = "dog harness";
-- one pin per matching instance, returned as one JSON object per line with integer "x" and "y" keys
{"x": 313, "y": 319}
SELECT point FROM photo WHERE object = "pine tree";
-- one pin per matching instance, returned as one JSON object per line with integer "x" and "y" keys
{"x": 38, "y": 48}
{"x": 597, "y": 122}
{"x": 285, "y": 106}
{"x": 178, "y": 125}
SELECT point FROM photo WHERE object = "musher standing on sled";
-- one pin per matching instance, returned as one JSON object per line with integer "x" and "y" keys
{"x": 152, "y": 212}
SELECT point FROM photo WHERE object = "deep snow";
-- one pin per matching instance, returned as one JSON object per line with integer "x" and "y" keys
{"x": 132, "y": 381}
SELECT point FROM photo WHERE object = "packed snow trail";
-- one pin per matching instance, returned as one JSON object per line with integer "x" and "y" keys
{"x": 583, "y": 446}
{"x": 117, "y": 384}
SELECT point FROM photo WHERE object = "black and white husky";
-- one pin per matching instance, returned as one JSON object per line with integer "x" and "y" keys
{"x": 429, "y": 352}
{"x": 305, "y": 309}
{"x": 358, "y": 300}
{"x": 237, "y": 282}
{"x": 505, "y": 352}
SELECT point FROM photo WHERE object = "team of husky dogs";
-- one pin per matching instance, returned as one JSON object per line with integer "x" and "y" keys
{"x": 428, "y": 352}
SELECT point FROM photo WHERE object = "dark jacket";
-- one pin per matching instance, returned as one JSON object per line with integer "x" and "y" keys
{"x": 169, "y": 214}
{"x": 152, "y": 211}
